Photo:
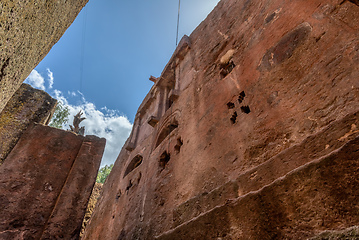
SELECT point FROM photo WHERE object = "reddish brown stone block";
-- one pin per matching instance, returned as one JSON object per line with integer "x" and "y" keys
{"x": 46, "y": 183}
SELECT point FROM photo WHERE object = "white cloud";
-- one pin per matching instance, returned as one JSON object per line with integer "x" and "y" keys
{"x": 50, "y": 76}
{"x": 72, "y": 94}
{"x": 106, "y": 123}
{"x": 36, "y": 80}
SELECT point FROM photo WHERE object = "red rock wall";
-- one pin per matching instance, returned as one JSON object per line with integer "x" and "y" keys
{"x": 311, "y": 199}
{"x": 251, "y": 95}
{"x": 46, "y": 182}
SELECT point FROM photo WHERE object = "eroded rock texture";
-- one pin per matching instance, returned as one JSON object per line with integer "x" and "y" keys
{"x": 27, "y": 106}
{"x": 46, "y": 182}
{"x": 250, "y": 132}
{"x": 28, "y": 30}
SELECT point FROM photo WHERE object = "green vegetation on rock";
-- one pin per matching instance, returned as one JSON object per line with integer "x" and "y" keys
{"x": 60, "y": 117}
{"x": 103, "y": 173}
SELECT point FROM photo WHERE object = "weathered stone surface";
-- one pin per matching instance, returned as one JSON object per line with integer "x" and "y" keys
{"x": 329, "y": 139}
{"x": 263, "y": 88}
{"x": 320, "y": 195}
{"x": 27, "y": 106}
{"x": 28, "y": 30}
{"x": 351, "y": 233}
{"x": 46, "y": 182}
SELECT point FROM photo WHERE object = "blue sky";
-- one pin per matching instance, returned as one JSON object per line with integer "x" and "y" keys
{"x": 115, "y": 46}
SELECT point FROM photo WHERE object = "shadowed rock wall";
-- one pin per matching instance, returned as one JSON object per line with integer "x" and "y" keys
{"x": 318, "y": 196}
{"x": 27, "y": 106}
{"x": 46, "y": 182}
{"x": 28, "y": 30}
{"x": 260, "y": 89}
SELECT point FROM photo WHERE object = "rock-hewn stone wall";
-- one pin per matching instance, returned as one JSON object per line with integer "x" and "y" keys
{"x": 318, "y": 196}
{"x": 27, "y": 106}
{"x": 28, "y": 30}
{"x": 46, "y": 182}
{"x": 258, "y": 90}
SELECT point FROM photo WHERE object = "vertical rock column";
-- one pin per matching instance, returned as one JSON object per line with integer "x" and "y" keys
{"x": 46, "y": 182}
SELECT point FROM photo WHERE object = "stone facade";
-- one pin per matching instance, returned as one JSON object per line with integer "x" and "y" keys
{"x": 254, "y": 111}
{"x": 27, "y": 106}
{"x": 28, "y": 30}
{"x": 46, "y": 182}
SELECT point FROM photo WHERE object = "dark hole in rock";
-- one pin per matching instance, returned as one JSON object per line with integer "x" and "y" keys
{"x": 166, "y": 131}
{"x": 129, "y": 186}
{"x": 170, "y": 102}
{"x": 241, "y": 97}
{"x": 17, "y": 223}
{"x": 5, "y": 64}
{"x": 355, "y": 2}
{"x": 230, "y": 105}
{"x": 270, "y": 18}
{"x": 162, "y": 202}
{"x": 164, "y": 159}
{"x": 226, "y": 69}
{"x": 234, "y": 117}
{"x": 139, "y": 176}
{"x": 118, "y": 194}
{"x": 245, "y": 109}
{"x": 135, "y": 162}
{"x": 178, "y": 145}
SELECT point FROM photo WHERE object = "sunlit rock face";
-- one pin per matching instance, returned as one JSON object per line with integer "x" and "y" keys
{"x": 253, "y": 112}
{"x": 27, "y": 106}
{"x": 28, "y": 30}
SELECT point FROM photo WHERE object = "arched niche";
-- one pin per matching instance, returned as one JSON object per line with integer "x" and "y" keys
{"x": 165, "y": 131}
{"x": 135, "y": 162}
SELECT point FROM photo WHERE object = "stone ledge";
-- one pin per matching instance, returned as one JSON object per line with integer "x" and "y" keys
{"x": 319, "y": 195}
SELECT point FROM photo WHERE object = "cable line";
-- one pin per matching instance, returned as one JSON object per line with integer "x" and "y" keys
{"x": 174, "y": 69}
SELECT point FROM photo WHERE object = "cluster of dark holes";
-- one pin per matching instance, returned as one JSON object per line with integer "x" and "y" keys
{"x": 241, "y": 97}
{"x": 244, "y": 109}
{"x": 227, "y": 68}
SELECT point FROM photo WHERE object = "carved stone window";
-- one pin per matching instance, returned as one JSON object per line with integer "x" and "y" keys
{"x": 166, "y": 131}
{"x": 135, "y": 162}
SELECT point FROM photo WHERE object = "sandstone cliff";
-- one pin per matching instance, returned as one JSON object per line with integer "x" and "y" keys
{"x": 239, "y": 136}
